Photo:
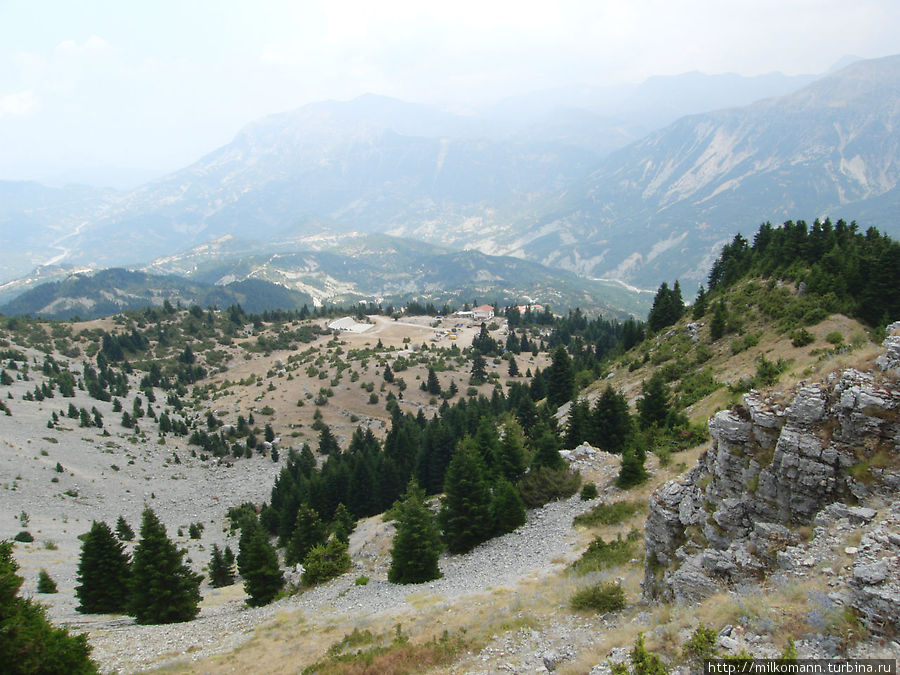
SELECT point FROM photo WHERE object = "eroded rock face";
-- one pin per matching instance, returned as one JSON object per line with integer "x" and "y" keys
{"x": 875, "y": 585}
{"x": 770, "y": 469}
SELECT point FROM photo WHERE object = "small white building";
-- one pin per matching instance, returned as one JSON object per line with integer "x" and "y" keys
{"x": 483, "y": 313}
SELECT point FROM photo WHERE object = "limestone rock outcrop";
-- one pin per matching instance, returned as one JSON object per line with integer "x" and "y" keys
{"x": 772, "y": 466}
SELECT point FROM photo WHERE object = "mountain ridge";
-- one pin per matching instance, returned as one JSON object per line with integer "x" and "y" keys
{"x": 658, "y": 208}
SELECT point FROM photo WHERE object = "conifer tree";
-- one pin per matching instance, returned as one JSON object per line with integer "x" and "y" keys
{"x": 258, "y": 565}
{"x": 612, "y": 421}
{"x": 309, "y": 530}
{"x": 507, "y": 507}
{"x": 579, "y": 426}
{"x": 538, "y": 386}
{"x": 654, "y": 406}
{"x": 699, "y": 308}
{"x": 45, "y": 583}
{"x": 163, "y": 588}
{"x": 103, "y": 573}
{"x": 560, "y": 378}
{"x": 488, "y": 444}
{"x": 513, "y": 367}
{"x": 479, "y": 369}
{"x": 718, "y": 324}
{"x": 123, "y": 529}
{"x": 417, "y": 542}
{"x": 433, "y": 384}
{"x": 632, "y": 470}
{"x": 327, "y": 442}
{"x": 29, "y": 643}
{"x": 344, "y": 523}
{"x": 221, "y": 573}
{"x": 388, "y": 373}
{"x": 228, "y": 559}
{"x": 511, "y": 451}
{"x": 546, "y": 450}
{"x": 465, "y": 516}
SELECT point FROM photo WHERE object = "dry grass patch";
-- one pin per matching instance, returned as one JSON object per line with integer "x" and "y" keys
{"x": 422, "y": 599}
{"x": 399, "y": 657}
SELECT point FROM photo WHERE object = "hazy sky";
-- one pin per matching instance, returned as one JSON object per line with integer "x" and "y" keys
{"x": 154, "y": 85}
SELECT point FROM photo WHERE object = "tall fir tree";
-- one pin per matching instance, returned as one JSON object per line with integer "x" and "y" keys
{"x": 123, "y": 529}
{"x": 103, "y": 573}
{"x": 612, "y": 421}
{"x": 511, "y": 451}
{"x": 163, "y": 587}
{"x": 654, "y": 405}
{"x": 465, "y": 516}
{"x": 344, "y": 523}
{"x": 221, "y": 573}
{"x": 699, "y": 308}
{"x": 309, "y": 531}
{"x": 668, "y": 307}
{"x": 327, "y": 442}
{"x": 513, "y": 370}
{"x": 560, "y": 378}
{"x": 433, "y": 384}
{"x": 579, "y": 427}
{"x": 479, "y": 369}
{"x": 538, "y": 386}
{"x": 417, "y": 542}
{"x": 719, "y": 321}
{"x": 507, "y": 507}
{"x": 546, "y": 449}
{"x": 258, "y": 565}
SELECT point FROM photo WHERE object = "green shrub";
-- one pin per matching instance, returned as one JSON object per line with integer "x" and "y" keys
{"x": 588, "y": 492}
{"x": 701, "y": 646}
{"x": 326, "y": 561}
{"x": 644, "y": 662}
{"x": 24, "y": 536}
{"x": 603, "y": 597}
{"x": 543, "y": 484}
{"x": 802, "y": 337}
{"x": 603, "y": 555}
{"x": 835, "y": 338}
{"x": 696, "y": 386}
{"x": 814, "y": 316}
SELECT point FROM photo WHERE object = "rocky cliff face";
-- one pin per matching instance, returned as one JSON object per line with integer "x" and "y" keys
{"x": 773, "y": 473}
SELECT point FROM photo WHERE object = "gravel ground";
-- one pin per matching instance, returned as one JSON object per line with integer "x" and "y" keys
{"x": 543, "y": 545}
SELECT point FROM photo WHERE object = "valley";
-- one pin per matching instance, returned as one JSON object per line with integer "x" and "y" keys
{"x": 503, "y": 606}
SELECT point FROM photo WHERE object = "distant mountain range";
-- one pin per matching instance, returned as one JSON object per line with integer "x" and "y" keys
{"x": 662, "y": 207}
{"x": 370, "y": 268}
{"x": 570, "y": 179}
{"x": 90, "y": 295}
